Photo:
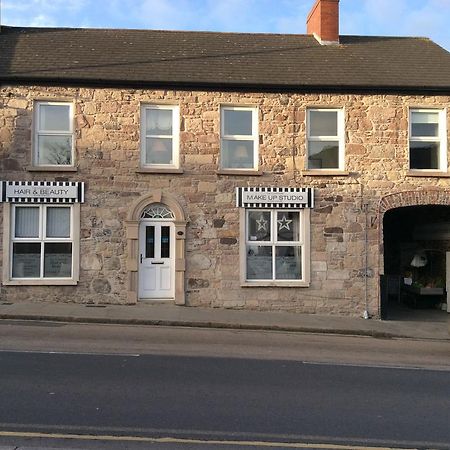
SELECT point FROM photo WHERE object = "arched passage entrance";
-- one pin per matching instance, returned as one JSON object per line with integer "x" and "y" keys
{"x": 415, "y": 254}
{"x": 168, "y": 230}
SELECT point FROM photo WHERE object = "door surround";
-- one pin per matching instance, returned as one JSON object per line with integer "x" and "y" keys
{"x": 132, "y": 235}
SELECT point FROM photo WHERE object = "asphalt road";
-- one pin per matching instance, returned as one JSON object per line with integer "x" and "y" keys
{"x": 139, "y": 399}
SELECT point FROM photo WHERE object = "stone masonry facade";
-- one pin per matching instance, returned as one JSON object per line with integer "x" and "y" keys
{"x": 345, "y": 221}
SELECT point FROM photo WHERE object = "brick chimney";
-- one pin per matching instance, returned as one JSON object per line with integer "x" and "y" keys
{"x": 323, "y": 21}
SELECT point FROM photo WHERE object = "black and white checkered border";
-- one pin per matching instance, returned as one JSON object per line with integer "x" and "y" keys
{"x": 283, "y": 190}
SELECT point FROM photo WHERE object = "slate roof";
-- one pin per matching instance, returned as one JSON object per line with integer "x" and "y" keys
{"x": 145, "y": 58}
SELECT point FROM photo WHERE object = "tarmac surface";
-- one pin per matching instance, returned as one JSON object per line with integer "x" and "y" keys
{"x": 420, "y": 325}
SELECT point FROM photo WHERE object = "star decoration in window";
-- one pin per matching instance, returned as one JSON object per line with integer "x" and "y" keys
{"x": 262, "y": 224}
{"x": 284, "y": 223}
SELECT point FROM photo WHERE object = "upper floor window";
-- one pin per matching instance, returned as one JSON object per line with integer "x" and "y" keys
{"x": 325, "y": 139}
{"x": 160, "y": 136}
{"x": 238, "y": 137}
{"x": 53, "y": 137}
{"x": 427, "y": 140}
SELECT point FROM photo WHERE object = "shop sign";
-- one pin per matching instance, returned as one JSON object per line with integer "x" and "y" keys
{"x": 42, "y": 191}
{"x": 274, "y": 197}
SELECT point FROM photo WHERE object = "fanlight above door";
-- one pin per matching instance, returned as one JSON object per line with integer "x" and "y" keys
{"x": 157, "y": 211}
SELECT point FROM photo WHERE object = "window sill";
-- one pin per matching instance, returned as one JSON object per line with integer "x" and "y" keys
{"x": 428, "y": 173}
{"x": 52, "y": 169}
{"x": 246, "y": 172}
{"x": 325, "y": 173}
{"x": 25, "y": 282}
{"x": 168, "y": 170}
{"x": 278, "y": 284}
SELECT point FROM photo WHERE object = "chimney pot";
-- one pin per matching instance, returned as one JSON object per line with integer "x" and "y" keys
{"x": 323, "y": 21}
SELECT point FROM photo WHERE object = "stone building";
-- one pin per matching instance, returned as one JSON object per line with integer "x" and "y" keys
{"x": 259, "y": 171}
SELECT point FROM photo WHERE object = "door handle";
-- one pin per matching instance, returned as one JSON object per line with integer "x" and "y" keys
{"x": 157, "y": 262}
{"x": 141, "y": 258}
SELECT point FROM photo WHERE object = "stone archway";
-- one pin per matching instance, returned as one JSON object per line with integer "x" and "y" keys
{"x": 429, "y": 197}
{"x": 132, "y": 234}
{"x": 408, "y": 198}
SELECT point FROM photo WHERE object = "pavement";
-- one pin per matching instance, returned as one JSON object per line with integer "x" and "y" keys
{"x": 429, "y": 326}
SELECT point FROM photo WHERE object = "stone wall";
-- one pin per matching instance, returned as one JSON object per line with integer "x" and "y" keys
{"x": 107, "y": 160}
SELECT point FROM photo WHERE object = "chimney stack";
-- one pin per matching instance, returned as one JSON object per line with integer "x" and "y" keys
{"x": 323, "y": 21}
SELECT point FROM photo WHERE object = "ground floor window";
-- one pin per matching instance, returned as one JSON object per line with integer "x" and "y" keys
{"x": 275, "y": 245}
{"x": 42, "y": 241}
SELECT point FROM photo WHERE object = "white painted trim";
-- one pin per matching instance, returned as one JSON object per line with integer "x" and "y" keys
{"x": 157, "y": 241}
{"x": 442, "y": 138}
{"x": 37, "y": 131}
{"x": 175, "y": 136}
{"x": 304, "y": 243}
{"x": 254, "y": 137}
{"x": 340, "y": 137}
{"x": 9, "y": 239}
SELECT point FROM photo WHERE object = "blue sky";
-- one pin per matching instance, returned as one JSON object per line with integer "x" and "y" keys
{"x": 428, "y": 18}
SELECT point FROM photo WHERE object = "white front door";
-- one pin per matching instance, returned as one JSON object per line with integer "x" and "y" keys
{"x": 156, "y": 260}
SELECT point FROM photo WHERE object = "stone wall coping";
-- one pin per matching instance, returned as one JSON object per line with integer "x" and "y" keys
{"x": 239, "y": 172}
{"x": 52, "y": 169}
{"x": 169, "y": 170}
{"x": 429, "y": 173}
{"x": 326, "y": 173}
{"x": 40, "y": 282}
{"x": 276, "y": 283}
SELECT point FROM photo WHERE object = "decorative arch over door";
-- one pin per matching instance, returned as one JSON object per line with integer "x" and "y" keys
{"x": 153, "y": 205}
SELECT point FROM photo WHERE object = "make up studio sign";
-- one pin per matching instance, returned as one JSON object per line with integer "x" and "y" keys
{"x": 274, "y": 197}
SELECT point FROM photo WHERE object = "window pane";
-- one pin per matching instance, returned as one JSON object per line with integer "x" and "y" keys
{"x": 58, "y": 260}
{"x": 237, "y": 154}
{"x": 259, "y": 262}
{"x": 58, "y": 222}
{"x": 425, "y": 124}
{"x": 158, "y": 151}
{"x": 237, "y": 122}
{"x": 424, "y": 155}
{"x": 258, "y": 226}
{"x": 323, "y": 155}
{"x": 26, "y": 222}
{"x": 54, "y": 117}
{"x": 288, "y": 264}
{"x": 288, "y": 226}
{"x": 165, "y": 242}
{"x": 159, "y": 122}
{"x": 323, "y": 123}
{"x": 55, "y": 150}
{"x": 150, "y": 241}
{"x": 26, "y": 260}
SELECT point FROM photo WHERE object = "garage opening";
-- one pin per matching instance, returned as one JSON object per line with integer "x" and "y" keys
{"x": 416, "y": 280}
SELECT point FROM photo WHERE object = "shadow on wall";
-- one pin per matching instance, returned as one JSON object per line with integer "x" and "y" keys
{"x": 15, "y": 132}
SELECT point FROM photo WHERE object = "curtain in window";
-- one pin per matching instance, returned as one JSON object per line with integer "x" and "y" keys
{"x": 58, "y": 222}
{"x": 27, "y": 222}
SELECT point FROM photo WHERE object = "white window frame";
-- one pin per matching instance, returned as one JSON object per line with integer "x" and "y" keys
{"x": 38, "y": 131}
{"x": 340, "y": 137}
{"x": 237, "y": 137}
{"x": 175, "y": 136}
{"x": 304, "y": 243}
{"x": 10, "y": 239}
{"x": 441, "y": 139}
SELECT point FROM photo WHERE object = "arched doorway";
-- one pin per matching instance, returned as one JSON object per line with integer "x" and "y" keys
{"x": 415, "y": 256}
{"x": 156, "y": 232}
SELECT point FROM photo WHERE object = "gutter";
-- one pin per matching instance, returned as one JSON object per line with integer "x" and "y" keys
{"x": 227, "y": 87}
